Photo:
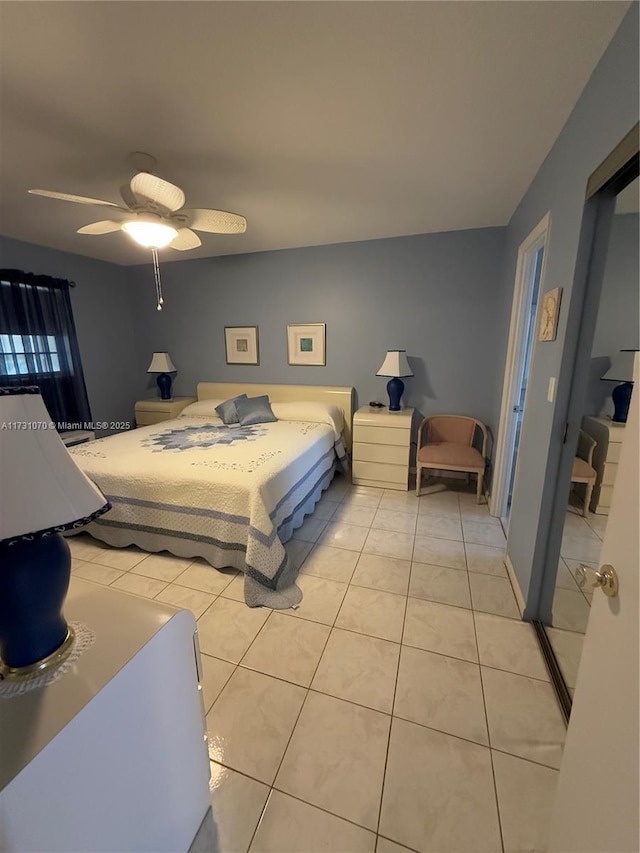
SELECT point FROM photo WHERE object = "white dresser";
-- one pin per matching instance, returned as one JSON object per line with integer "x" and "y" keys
{"x": 608, "y": 436}
{"x": 112, "y": 756}
{"x": 156, "y": 410}
{"x": 381, "y": 447}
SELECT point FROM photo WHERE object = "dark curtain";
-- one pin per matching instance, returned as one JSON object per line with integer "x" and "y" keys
{"x": 39, "y": 346}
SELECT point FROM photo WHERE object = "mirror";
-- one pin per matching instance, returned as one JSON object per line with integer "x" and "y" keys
{"x": 616, "y": 337}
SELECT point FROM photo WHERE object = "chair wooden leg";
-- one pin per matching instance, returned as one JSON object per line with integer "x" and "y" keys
{"x": 479, "y": 492}
{"x": 418, "y": 478}
{"x": 587, "y": 498}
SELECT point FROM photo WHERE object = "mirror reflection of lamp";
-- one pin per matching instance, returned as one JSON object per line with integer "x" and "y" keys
{"x": 621, "y": 371}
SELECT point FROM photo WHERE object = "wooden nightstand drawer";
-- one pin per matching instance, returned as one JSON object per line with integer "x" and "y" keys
{"x": 150, "y": 418}
{"x": 609, "y": 474}
{"x": 388, "y": 454}
{"x": 381, "y": 448}
{"x": 380, "y": 473}
{"x": 613, "y": 452}
{"x": 382, "y": 435}
{"x": 155, "y": 410}
{"x": 606, "y": 494}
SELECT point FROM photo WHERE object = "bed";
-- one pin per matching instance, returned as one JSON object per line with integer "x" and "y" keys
{"x": 232, "y": 495}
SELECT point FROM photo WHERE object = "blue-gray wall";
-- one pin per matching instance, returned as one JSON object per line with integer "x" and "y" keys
{"x": 103, "y": 320}
{"x": 436, "y": 295}
{"x": 618, "y": 325}
{"x": 445, "y": 298}
{"x": 604, "y": 113}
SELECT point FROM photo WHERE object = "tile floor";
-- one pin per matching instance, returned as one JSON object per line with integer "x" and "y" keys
{"x": 402, "y": 706}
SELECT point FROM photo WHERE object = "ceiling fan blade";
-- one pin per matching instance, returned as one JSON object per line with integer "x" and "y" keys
{"x": 128, "y": 197}
{"x": 106, "y": 226}
{"x": 215, "y": 221}
{"x": 186, "y": 239}
{"x": 150, "y": 188}
{"x": 79, "y": 199}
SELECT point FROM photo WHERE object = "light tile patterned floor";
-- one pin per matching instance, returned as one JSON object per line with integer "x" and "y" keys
{"x": 403, "y": 705}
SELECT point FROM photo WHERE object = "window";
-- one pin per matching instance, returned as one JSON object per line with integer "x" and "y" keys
{"x": 25, "y": 354}
{"x": 38, "y": 344}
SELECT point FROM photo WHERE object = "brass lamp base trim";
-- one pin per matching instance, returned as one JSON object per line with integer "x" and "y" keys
{"x": 33, "y": 670}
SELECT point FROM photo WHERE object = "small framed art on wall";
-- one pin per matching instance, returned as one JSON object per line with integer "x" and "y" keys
{"x": 306, "y": 344}
{"x": 241, "y": 344}
{"x": 549, "y": 312}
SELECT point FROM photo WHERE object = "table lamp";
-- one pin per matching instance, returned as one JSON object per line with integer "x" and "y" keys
{"x": 43, "y": 493}
{"x": 395, "y": 365}
{"x": 161, "y": 364}
{"x": 621, "y": 370}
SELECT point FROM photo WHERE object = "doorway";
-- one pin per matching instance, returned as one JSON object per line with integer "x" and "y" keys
{"x": 529, "y": 279}
{"x": 607, "y": 313}
{"x": 600, "y": 436}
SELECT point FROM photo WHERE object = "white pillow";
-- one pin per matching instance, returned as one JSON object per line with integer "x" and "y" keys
{"x": 201, "y": 409}
{"x": 319, "y": 413}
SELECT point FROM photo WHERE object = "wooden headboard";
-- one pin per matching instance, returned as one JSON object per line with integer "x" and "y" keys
{"x": 343, "y": 397}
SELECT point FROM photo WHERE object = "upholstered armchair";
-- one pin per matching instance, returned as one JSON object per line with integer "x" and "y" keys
{"x": 583, "y": 470}
{"x": 446, "y": 443}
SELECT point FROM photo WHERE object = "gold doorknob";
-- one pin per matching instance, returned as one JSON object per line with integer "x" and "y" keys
{"x": 606, "y": 579}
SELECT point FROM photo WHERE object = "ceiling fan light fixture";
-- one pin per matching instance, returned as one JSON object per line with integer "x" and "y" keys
{"x": 151, "y": 235}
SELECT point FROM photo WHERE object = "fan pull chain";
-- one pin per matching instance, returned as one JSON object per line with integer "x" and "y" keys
{"x": 158, "y": 280}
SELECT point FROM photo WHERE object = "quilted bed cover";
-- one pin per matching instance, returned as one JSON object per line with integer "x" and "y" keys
{"x": 232, "y": 495}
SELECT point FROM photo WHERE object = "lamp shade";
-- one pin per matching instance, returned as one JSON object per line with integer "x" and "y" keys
{"x": 161, "y": 363}
{"x": 395, "y": 364}
{"x": 150, "y": 235}
{"x": 43, "y": 493}
{"x": 621, "y": 369}
{"x": 43, "y": 490}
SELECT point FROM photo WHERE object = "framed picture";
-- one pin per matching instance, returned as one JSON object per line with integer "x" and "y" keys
{"x": 306, "y": 344}
{"x": 241, "y": 344}
{"x": 549, "y": 313}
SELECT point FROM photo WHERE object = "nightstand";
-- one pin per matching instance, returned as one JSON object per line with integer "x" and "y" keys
{"x": 381, "y": 447}
{"x": 609, "y": 436}
{"x": 155, "y": 410}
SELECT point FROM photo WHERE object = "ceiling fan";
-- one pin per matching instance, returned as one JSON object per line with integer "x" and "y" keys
{"x": 155, "y": 215}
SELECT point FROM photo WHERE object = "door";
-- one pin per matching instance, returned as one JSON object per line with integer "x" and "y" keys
{"x": 529, "y": 275}
{"x": 534, "y": 274}
{"x": 596, "y": 806}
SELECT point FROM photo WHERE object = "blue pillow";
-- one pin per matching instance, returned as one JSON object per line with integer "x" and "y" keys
{"x": 255, "y": 410}
{"x": 228, "y": 411}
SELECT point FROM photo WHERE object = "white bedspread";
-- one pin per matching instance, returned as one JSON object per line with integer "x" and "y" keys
{"x": 233, "y": 495}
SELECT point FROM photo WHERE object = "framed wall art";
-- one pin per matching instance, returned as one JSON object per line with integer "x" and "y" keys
{"x": 241, "y": 344}
{"x": 306, "y": 344}
{"x": 549, "y": 312}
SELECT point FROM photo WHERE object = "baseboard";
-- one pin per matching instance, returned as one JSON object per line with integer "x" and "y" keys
{"x": 514, "y": 583}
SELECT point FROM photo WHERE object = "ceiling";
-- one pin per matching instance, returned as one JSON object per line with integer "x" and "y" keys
{"x": 321, "y": 122}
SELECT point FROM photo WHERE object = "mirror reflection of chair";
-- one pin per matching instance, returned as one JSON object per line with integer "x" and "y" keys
{"x": 446, "y": 443}
{"x": 583, "y": 470}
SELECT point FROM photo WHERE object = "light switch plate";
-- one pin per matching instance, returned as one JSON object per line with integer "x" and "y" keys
{"x": 551, "y": 391}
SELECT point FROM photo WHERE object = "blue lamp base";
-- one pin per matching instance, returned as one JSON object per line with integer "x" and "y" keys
{"x": 621, "y": 396}
{"x": 164, "y": 384}
{"x": 395, "y": 389}
{"x": 33, "y": 585}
